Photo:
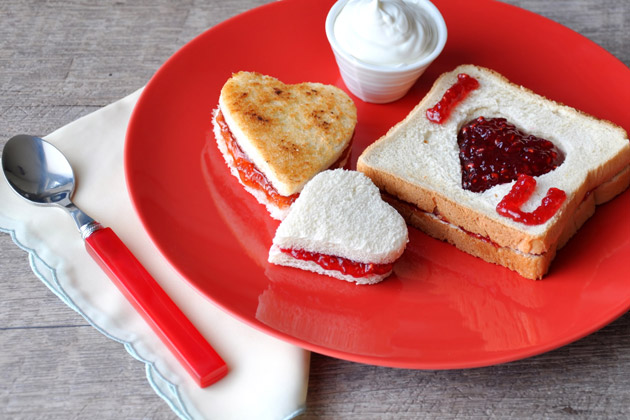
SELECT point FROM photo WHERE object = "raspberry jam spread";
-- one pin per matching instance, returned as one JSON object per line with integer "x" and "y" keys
{"x": 453, "y": 95}
{"x": 493, "y": 151}
{"x": 247, "y": 171}
{"x": 343, "y": 265}
{"x": 522, "y": 189}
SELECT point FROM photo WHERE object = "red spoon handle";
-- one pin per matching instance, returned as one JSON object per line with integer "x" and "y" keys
{"x": 155, "y": 306}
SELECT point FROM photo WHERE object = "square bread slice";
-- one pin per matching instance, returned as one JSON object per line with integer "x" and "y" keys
{"x": 417, "y": 167}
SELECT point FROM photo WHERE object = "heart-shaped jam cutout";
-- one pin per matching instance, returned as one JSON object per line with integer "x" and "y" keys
{"x": 493, "y": 151}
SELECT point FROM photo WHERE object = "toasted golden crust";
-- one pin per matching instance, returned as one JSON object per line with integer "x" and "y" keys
{"x": 293, "y": 131}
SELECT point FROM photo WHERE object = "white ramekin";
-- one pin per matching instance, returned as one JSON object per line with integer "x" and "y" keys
{"x": 382, "y": 84}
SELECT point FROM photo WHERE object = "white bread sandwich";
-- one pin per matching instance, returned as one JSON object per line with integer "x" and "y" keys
{"x": 339, "y": 226}
{"x": 275, "y": 137}
{"x": 471, "y": 163}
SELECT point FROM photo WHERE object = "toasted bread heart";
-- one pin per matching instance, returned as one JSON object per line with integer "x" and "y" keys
{"x": 290, "y": 132}
{"x": 340, "y": 214}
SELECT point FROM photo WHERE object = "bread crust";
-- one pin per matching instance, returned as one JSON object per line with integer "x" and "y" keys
{"x": 531, "y": 266}
{"x": 601, "y": 184}
{"x": 600, "y": 195}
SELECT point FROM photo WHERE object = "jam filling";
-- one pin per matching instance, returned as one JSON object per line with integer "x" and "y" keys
{"x": 251, "y": 176}
{"x": 478, "y": 236}
{"x": 467, "y": 232}
{"x": 396, "y": 202}
{"x": 493, "y": 151}
{"x": 521, "y": 191}
{"x": 453, "y": 96}
{"x": 343, "y": 265}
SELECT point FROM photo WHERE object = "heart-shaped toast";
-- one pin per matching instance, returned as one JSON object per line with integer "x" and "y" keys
{"x": 340, "y": 226}
{"x": 289, "y": 132}
{"x": 493, "y": 151}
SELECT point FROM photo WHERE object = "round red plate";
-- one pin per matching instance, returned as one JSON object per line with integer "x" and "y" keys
{"x": 442, "y": 308}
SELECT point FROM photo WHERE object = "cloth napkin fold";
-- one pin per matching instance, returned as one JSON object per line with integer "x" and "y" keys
{"x": 267, "y": 378}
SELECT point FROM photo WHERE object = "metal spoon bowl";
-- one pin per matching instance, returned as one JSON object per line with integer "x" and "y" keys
{"x": 41, "y": 174}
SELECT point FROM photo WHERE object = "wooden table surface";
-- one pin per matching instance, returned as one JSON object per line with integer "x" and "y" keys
{"x": 60, "y": 60}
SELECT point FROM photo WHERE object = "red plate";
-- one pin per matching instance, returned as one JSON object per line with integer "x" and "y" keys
{"x": 442, "y": 308}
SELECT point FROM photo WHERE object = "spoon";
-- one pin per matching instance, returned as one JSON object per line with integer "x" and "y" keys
{"x": 40, "y": 173}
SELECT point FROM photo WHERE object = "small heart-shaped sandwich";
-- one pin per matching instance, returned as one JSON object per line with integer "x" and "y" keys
{"x": 275, "y": 137}
{"x": 497, "y": 170}
{"x": 339, "y": 226}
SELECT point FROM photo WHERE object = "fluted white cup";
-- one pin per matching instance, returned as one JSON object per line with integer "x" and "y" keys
{"x": 376, "y": 83}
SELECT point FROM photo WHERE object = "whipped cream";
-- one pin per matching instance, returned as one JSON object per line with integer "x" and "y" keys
{"x": 385, "y": 32}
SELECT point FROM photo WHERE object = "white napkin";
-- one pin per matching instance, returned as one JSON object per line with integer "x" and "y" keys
{"x": 267, "y": 378}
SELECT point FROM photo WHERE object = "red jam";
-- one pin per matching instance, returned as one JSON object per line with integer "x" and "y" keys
{"x": 251, "y": 176}
{"x": 481, "y": 238}
{"x": 493, "y": 151}
{"x": 343, "y": 265}
{"x": 467, "y": 232}
{"x": 522, "y": 189}
{"x": 247, "y": 171}
{"x": 453, "y": 96}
